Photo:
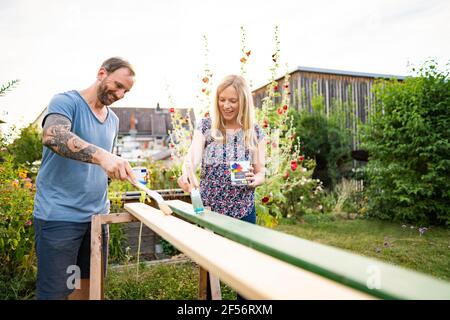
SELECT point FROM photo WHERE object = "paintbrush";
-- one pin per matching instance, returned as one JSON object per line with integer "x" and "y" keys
{"x": 196, "y": 199}
{"x": 154, "y": 195}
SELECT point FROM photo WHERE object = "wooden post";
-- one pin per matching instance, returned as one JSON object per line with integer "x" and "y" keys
{"x": 96, "y": 283}
{"x": 203, "y": 284}
{"x": 214, "y": 283}
{"x": 96, "y": 276}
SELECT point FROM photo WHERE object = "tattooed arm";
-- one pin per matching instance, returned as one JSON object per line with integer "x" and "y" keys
{"x": 58, "y": 137}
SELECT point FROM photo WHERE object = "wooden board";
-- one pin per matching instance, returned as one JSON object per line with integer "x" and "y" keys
{"x": 253, "y": 274}
{"x": 364, "y": 274}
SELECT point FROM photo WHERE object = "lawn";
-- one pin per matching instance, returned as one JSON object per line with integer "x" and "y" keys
{"x": 393, "y": 243}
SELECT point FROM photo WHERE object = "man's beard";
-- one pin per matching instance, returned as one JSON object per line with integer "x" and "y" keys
{"x": 104, "y": 96}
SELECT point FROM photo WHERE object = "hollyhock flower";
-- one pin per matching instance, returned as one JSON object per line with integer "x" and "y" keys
{"x": 280, "y": 111}
{"x": 205, "y": 79}
{"x": 285, "y": 107}
{"x": 294, "y": 165}
{"x": 265, "y": 199}
{"x": 206, "y": 114}
{"x": 275, "y": 88}
{"x": 172, "y": 110}
{"x": 203, "y": 90}
{"x": 301, "y": 158}
{"x": 248, "y": 52}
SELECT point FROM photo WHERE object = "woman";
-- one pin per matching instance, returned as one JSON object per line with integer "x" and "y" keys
{"x": 229, "y": 136}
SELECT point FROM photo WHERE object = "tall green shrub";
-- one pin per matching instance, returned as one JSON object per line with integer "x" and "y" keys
{"x": 326, "y": 139}
{"x": 408, "y": 143}
{"x": 27, "y": 148}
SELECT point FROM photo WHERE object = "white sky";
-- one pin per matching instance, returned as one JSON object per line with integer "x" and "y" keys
{"x": 58, "y": 45}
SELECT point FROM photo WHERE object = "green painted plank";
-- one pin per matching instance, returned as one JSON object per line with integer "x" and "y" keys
{"x": 365, "y": 274}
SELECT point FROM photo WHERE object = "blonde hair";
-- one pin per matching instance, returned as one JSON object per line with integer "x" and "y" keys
{"x": 246, "y": 114}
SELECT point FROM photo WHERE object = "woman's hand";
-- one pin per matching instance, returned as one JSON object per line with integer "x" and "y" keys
{"x": 254, "y": 180}
{"x": 184, "y": 184}
{"x": 251, "y": 178}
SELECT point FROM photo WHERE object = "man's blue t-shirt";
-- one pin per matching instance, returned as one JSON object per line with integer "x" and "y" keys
{"x": 71, "y": 190}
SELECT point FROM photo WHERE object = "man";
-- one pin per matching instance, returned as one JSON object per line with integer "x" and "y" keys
{"x": 79, "y": 132}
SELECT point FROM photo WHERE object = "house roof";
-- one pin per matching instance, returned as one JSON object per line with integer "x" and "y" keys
{"x": 339, "y": 72}
{"x": 146, "y": 121}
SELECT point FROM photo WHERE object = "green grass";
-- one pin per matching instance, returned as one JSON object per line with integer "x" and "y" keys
{"x": 158, "y": 282}
{"x": 392, "y": 243}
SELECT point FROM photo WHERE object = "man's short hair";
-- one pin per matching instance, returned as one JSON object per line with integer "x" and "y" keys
{"x": 115, "y": 63}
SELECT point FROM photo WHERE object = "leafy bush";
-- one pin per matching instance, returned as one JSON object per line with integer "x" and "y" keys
{"x": 27, "y": 148}
{"x": 16, "y": 232}
{"x": 408, "y": 140}
{"x": 326, "y": 139}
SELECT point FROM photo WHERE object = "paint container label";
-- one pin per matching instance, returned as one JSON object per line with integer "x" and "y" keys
{"x": 238, "y": 169}
{"x": 141, "y": 174}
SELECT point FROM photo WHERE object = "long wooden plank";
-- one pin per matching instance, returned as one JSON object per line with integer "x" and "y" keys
{"x": 252, "y": 273}
{"x": 365, "y": 274}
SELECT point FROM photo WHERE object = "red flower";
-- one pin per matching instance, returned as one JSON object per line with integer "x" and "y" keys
{"x": 28, "y": 223}
{"x": 294, "y": 165}
{"x": 248, "y": 52}
{"x": 265, "y": 199}
{"x": 265, "y": 124}
{"x": 285, "y": 107}
{"x": 280, "y": 111}
{"x": 286, "y": 85}
{"x": 172, "y": 145}
{"x": 206, "y": 114}
{"x": 275, "y": 88}
{"x": 203, "y": 90}
{"x": 301, "y": 158}
{"x": 205, "y": 79}
{"x": 243, "y": 60}
{"x": 172, "y": 110}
